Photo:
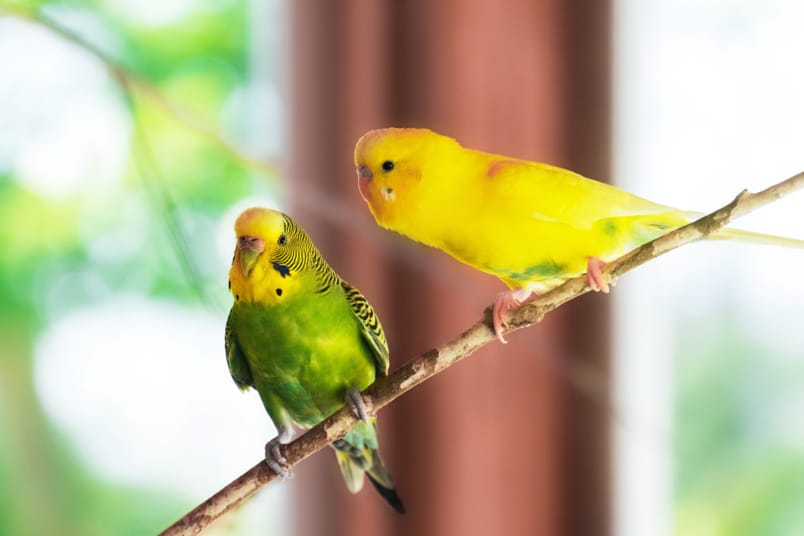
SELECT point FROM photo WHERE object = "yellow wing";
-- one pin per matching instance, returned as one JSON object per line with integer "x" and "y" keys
{"x": 554, "y": 194}
{"x": 531, "y": 223}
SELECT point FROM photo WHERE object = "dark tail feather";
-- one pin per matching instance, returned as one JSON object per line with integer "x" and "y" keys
{"x": 389, "y": 494}
{"x": 357, "y": 456}
{"x": 355, "y": 463}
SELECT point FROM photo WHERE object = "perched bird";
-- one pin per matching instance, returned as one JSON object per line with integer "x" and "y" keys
{"x": 306, "y": 340}
{"x": 530, "y": 224}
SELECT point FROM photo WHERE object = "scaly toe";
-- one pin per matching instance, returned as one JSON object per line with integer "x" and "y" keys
{"x": 274, "y": 459}
{"x": 497, "y": 311}
{"x": 594, "y": 275}
{"x": 504, "y": 302}
{"x": 355, "y": 401}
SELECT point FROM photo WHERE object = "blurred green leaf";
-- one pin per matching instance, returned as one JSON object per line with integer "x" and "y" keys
{"x": 64, "y": 252}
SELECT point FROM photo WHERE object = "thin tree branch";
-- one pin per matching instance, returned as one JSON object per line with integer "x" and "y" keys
{"x": 430, "y": 363}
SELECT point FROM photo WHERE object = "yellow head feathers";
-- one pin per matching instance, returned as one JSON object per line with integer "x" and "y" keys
{"x": 262, "y": 223}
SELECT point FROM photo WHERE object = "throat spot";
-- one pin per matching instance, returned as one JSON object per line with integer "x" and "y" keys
{"x": 283, "y": 270}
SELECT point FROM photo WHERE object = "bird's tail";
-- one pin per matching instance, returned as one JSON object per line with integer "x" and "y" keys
{"x": 357, "y": 455}
{"x": 757, "y": 238}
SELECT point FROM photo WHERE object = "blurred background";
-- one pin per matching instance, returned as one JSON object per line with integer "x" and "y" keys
{"x": 133, "y": 132}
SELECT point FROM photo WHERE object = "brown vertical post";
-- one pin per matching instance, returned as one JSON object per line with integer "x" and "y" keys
{"x": 585, "y": 401}
{"x": 490, "y": 446}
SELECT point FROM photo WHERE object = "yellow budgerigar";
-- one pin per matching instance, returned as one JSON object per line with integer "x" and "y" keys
{"x": 532, "y": 225}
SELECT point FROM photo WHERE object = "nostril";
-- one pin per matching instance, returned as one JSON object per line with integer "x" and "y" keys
{"x": 252, "y": 243}
{"x": 364, "y": 172}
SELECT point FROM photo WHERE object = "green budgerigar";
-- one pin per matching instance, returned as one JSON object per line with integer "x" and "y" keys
{"x": 306, "y": 340}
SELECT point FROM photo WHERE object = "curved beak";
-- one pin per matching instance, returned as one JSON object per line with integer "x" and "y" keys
{"x": 250, "y": 248}
{"x": 363, "y": 172}
{"x": 364, "y": 176}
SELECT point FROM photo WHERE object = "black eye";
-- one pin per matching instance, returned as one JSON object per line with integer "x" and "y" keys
{"x": 282, "y": 240}
{"x": 387, "y": 165}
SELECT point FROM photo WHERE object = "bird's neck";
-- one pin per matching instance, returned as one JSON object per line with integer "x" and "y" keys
{"x": 271, "y": 283}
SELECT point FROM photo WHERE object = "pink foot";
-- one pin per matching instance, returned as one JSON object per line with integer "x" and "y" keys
{"x": 594, "y": 274}
{"x": 505, "y": 302}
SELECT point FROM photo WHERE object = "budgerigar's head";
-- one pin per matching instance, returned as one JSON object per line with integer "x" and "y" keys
{"x": 391, "y": 167}
{"x": 271, "y": 251}
{"x": 259, "y": 232}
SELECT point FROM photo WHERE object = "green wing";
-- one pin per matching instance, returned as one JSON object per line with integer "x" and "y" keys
{"x": 238, "y": 366}
{"x": 370, "y": 327}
